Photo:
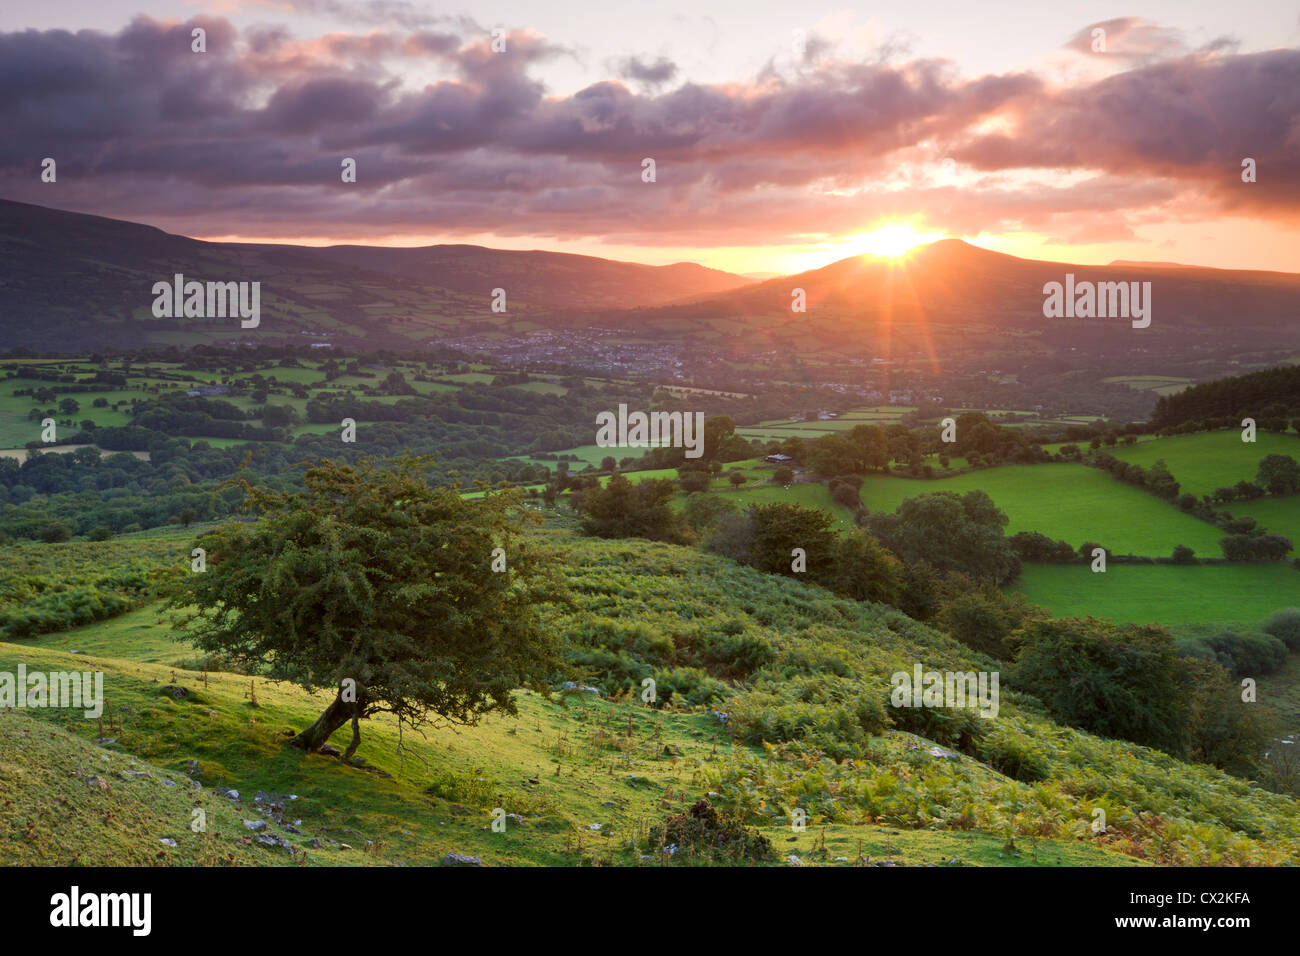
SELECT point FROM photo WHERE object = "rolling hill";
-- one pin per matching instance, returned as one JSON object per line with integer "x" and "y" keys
{"x": 950, "y": 296}
{"x": 70, "y": 280}
{"x": 75, "y": 281}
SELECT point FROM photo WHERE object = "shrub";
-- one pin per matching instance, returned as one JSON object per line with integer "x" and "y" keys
{"x": 1284, "y": 624}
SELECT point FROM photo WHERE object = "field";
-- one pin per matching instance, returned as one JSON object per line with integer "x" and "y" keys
{"x": 1160, "y": 384}
{"x": 1210, "y": 460}
{"x": 1279, "y": 515}
{"x": 1070, "y": 502}
{"x": 1165, "y": 594}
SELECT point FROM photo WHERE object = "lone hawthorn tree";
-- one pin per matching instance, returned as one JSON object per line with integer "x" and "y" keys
{"x": 377, "y": 586}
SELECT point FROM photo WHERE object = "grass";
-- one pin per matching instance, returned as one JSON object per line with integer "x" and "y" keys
{"x": 1165, "y": 594}
{"x": 1209, "y": 460}
{"x": 1279, "y": 515}
{"x": 1074, "y": 503}
{"x": 567, "y": 765}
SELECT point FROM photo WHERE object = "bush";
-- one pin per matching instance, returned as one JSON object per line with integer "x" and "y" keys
{"x": 55, "y": 532}
{"x": 1184, "y": 554}
{"x": 694, "y": 481}
{"x": 1284, "y": 624}
{"x": 1241, "y": 655}
{"x": 1115, "y": 681}
{"x": 1032, "y": 546}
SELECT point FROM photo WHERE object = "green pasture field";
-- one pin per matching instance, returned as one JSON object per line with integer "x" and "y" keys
{"x": 1163, "y": 593}
{"x": 1074, "y": 503}
{"x": 1209, "y": 460}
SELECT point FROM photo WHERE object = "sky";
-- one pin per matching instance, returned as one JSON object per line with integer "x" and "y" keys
{"x": 784, "y": 136}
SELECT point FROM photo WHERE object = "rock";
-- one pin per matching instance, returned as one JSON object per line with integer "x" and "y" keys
{"x": 135, "y": 773}
{"x": 580, "y": 688}
{"x": 167, "y": 841}
{"x": 719, "y": 716}
{"x": 290, "y": 828}
{"x": 534, "y": 780}
{"x": 228, "y": 794}
{"x": 272, "y": 839}
{"x": 460, "y": 859}
{"x": 97, "y": 783}
{"x": 594, "y": 827}
{"x": 329, "y": 750}
{"x": 255, "y": 825}
{"x": 314, "y": 843}
{"x": 168, "y": 783}
{"x": 344, "y": 846}
{"x": 105, "y": 741}
{"x": 794, "y": 860}
{"x": 175, "y": 691}
{"x": 942, "y": 754}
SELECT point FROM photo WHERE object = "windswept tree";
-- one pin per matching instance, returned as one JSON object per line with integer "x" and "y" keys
{"x": 374, "y": 585}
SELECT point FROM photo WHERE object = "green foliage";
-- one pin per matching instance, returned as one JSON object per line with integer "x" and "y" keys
{"x": 1279, "y": 474}
{"x": 373, "y": 576}
{"x": 1241, "y": 655}
{"x": 703, "y": 835}
{"x": 982, "y": 616}
{"x": 1128, "y": 681}
{"x": 622, "y": 509}
{"x": 47, "y": 588}
{"x": 1284, "y": 624}
{"x": 951, "y": 532}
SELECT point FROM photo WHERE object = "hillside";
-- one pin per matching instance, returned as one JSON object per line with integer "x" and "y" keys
{"x": 68, "y": 277}
{"x": 586, "y": 777}
{"x": 951, "y": 296}
{"x": 73, "y": 278}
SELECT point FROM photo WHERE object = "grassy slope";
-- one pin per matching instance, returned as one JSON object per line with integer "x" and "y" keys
{"x": 1209, "y": 460}
{"x": 1074, "y": 503}
{"x": 897, "y": 800}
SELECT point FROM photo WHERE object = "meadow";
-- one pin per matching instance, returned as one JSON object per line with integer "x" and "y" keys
{"x": 1208, "y": 460}
{"x": 1167, "y": 594}
{"x": 1069, "y": 502}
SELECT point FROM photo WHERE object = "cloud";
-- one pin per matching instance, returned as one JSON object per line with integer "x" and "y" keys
{"x": 655, "y": 74}
{"x": 248, "y": 138}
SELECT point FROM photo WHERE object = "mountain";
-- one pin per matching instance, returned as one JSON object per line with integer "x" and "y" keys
{"x": 950, "y": 296}
{"x": 70, "y": 281}
{"x": 547, "y": 279}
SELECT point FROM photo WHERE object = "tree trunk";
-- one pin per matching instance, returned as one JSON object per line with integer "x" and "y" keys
{"x": 356, "y": 734}
{"x": 336, "y": 715}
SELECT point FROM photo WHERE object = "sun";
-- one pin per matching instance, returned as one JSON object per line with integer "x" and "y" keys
{"x": 891, "y": 240}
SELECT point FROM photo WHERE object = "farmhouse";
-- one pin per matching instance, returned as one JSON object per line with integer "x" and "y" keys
{"x": 779, "y": 459}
